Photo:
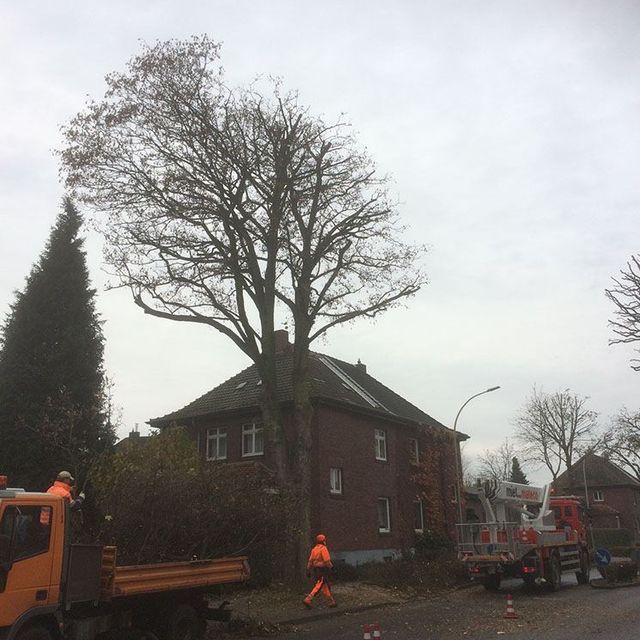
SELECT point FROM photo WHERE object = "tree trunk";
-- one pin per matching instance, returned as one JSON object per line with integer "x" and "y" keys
{"x": 301, "y": 461}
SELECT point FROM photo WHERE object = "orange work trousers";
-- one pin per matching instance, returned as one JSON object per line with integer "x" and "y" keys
{"x": 322, "y": 584}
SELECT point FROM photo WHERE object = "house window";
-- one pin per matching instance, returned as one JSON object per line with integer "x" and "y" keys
{"x": 216, "y": 444}
{"x": 335, "y": 481}
{"x": 418, "y": 516}
{"x": 454, "y": 493}
{"x": 252, "y": 439}
{"x": 384, "y": 515}
{"x": 414, "y": 451}
{"x": 598, "y": 496}
{"x": 381, "y": 444}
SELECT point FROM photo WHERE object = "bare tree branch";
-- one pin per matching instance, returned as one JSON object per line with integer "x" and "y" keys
{"x": 554, "y": 428}
{"x": 625, "y": 295}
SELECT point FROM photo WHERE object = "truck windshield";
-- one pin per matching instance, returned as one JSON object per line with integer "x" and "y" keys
{"x": 24, "y": 532}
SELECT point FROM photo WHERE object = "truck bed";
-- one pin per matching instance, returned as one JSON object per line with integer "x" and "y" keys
{"x": 120, "y": 582}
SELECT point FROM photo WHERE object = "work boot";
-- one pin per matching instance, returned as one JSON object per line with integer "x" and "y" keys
{"x": 333, "y": 604}
{"x": 307, "y": 603}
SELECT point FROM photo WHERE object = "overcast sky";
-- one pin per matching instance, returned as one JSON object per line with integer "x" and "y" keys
{"x": 512, "y": 132}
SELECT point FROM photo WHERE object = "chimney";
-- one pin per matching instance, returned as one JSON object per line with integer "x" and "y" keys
{"x": 361, "y": 366}
{"x": 282, "y": 340}
{"x": 135, "y": 433}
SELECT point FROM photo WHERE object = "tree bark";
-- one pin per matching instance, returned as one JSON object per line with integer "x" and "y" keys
{"x": 301, "y": 462}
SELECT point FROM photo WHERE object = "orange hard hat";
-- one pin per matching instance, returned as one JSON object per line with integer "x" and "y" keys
{"x": 321, "y": 538}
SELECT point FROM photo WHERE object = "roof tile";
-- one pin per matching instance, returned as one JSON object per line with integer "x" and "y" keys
{"x": 331, "y": 379}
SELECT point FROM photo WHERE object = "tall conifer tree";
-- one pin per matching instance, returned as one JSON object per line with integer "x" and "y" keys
{"x": 52, "y": 388}
{"x": 517, "y": 474}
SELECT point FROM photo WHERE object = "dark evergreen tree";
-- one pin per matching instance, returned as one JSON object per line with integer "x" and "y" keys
{"x": 52, "y": 387}
{"x": 517, "y": 474}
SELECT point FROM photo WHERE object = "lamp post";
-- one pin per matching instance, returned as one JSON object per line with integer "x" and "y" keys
{"x": 455, "y": 444}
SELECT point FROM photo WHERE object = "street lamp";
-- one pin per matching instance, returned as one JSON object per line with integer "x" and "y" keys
{"x": 455, "y": 444}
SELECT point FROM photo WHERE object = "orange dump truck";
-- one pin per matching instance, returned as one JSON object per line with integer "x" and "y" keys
{"x": 51, "y": 589}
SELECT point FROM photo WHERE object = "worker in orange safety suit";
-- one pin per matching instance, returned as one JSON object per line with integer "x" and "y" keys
{"x": 320, "y": 564}
{"x": 63, "y": 487}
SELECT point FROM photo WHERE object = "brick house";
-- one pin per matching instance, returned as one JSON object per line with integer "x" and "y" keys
{"x": 613, "y": 495}
{"x": 368, "y": 445}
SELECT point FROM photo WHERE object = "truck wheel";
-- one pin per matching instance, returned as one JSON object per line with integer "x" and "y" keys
{"x": 491, "y": 582}
{"x": 582, "y": 576}
{"x": 34, "y": 633}
{"x": 554, "y": 572}
{"x": 184, "y": 624}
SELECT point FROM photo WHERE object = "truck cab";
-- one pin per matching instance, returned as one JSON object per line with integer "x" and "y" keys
{"x": 32, "y": 553}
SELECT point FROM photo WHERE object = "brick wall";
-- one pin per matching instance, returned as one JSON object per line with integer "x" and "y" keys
{"x": 625, "y": 499}
{"x": 344, "y": 439}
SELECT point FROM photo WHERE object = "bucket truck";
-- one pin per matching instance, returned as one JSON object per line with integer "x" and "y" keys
{"x": 527, "y": 533}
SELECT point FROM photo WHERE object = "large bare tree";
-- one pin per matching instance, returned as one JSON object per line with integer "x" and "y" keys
{"x": 621, "y": 442}
{"x": 497, "y": 463}
{"x": 625, "y": 295}
{"x": 555, "y": 427}
{"x": 235, "y": 208}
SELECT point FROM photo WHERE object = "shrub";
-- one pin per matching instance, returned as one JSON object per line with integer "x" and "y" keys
{"x": 432, "y": 544}
{"x": 159, "y": 503}
{"x": 611, "y": 537}
{"x": 421, "y": 574}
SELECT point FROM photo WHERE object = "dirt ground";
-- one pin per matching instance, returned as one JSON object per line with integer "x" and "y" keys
{"x": 274, "y": 610}
{"x": 454, "y": 614}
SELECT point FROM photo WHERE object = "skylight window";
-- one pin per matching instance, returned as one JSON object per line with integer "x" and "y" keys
{"x": 351, "y": 384}
{"x": 242, "y": 384}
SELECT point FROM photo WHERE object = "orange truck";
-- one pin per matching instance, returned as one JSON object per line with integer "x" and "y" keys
{"x": 51, "y": 589}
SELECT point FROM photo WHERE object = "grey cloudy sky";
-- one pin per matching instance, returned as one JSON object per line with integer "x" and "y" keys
{"x": 511, "y": 129}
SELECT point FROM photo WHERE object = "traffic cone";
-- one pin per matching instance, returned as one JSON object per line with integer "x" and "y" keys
{"x": 510, "y": 613}
{"x": 366, "y": 632}
{"x": 376, "y": 631}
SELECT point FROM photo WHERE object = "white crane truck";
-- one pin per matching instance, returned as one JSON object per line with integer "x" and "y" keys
{"x": 527, "y": 533}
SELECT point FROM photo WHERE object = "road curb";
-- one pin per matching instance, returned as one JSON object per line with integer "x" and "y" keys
{"x": 601, "y": 583}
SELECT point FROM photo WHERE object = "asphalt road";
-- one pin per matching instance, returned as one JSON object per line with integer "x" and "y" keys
{"x": 575, "y": 612}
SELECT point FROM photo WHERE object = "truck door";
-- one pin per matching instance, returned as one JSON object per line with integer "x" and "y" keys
{"x": 25, "y": 559}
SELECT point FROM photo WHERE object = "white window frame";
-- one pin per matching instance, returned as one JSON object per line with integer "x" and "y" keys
{"x": 252, "y": 429}
{"x": 419, "y": 501}
{"x": 335, "y": 481}
{"x": 217, "y": 435}
{"x": 382, "y": 528}
{"x": 380, "y": 439}
{"x": 414, "y": 450}
{"x": 598, "y": 496}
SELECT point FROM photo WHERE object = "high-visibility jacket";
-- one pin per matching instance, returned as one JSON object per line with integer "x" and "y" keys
{"x": 60, "y": 489}
{"x": 319, "y": 558}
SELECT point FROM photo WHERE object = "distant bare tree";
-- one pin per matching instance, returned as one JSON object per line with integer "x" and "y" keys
{"x": 497, "y": 463}
{"x": 226, "y": 207}
{"x": 625, "y": 295}
{"x": 467, "y": 467}
{"x": 555, "y": 427}
{"x": 622, "y": 441}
